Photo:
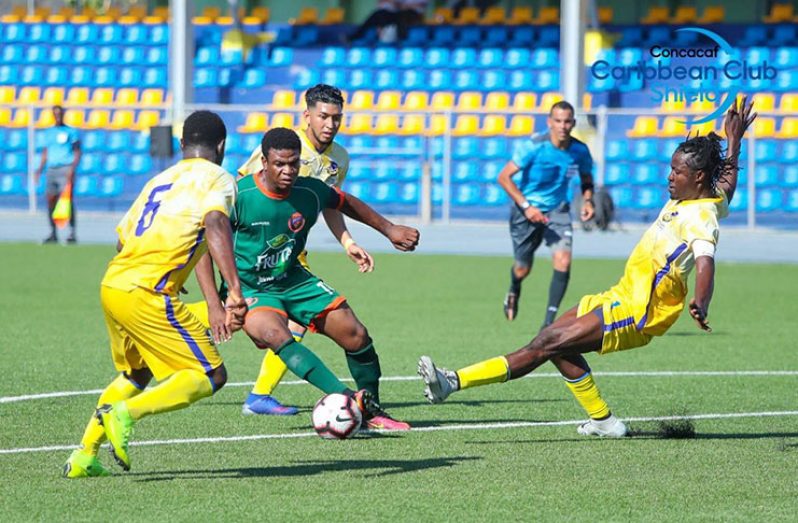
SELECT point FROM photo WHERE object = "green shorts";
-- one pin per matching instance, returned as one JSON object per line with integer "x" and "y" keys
{"x": 301, "y": 297}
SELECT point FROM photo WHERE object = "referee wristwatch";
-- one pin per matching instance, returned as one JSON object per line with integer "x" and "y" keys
{"x": 524, "y": 205}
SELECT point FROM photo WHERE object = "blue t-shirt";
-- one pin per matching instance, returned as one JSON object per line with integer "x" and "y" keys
{"x": 546, "y": 170}
{"x": 59, "y": 141}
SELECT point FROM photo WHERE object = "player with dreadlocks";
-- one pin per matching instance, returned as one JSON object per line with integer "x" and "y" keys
{"x": 649, "y": 297}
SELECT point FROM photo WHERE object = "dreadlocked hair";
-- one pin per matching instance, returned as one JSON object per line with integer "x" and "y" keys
{"x": 706, "y": 153}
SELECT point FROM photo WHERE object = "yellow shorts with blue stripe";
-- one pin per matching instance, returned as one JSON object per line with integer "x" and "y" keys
{"x": 149, "y": 329}
{"x": 620, "y": 329}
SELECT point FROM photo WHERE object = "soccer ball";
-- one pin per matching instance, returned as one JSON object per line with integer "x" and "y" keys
{"x": 336, "y": 416}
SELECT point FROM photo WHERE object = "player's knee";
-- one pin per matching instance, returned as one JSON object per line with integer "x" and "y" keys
{"x": 357, "y": 338}
{"x": 521, "y": 271}
{"x": 140, "y": 378}
{"x": 546, "y": 343}
{"x": 219, "y": 377}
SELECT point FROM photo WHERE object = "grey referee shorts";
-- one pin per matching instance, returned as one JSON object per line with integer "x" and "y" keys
{"x": 528, "y": 236}
{"x": 55, "y": 180}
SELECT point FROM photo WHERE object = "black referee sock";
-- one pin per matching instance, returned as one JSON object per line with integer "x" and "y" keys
{"x": 515, "y": 282}
{"x": 559, "y": 282}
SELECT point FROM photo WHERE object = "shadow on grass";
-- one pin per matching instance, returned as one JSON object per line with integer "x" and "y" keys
{"x": 307, "y": 468}
{"x": 387, "y": 405}
{"x": 655, "y": 435}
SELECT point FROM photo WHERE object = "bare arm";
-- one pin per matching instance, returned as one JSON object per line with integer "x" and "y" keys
{"x": 704, "y": 286}
{"x": 40, "y": 170}
{"x": 220, "y": 246}
{"x": 216, "y": 313}
{"x": 505, "y": 179}
{"x": 75, "y": 161}
{"x": 736, "y": 122}
{"x": 588, "y": 210}
{"x": 403, "y": 238}
{"x": 337, "y": 226}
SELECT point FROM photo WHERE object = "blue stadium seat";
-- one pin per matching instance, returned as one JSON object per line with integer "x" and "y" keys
{"x": 92, "y": 141}
{"x": 385, "y": 170}
{"x": 359, "y": 142}
{"x": 360, "y": 79}
{"x": 386, "y": 79}
{"x": 791, "y": 204}
{"x": 410, "y": 57}
{"x": 522, "y": 36}
{"x": 156, "y": 56}
{"x": 205, "y": 77}
{"x": 494, "y": 196}
{"x": 515, "y": 58}
{"x": 521, "y": 81}
{"x": 600, "y": 85}
{"x": 86, "y": 185}
{"x": 644, "y": 149}
{"x": 465, "y": 172}
{"x": 59, "y": 54}
{"x": 13, "y": 32}
{"x": 439, "y": 80}
{"x": 14, "y": 140}
{"x": 306, "y": 35}
{"x": 497, "y": 36}
{"x": 412, "y": 79}
{"x": 766, "y": 175}
{"x": 622, "y": 197}
{"x": 768, "y": 200}
{"x": 117, "y": 141}
{"x": 14, "y": 163}
{"x": 408, "y": 193}
{"x": 90, "y": 163}
{"x": 110, "y": 34}
{"x": 470, "y": 36}
{"x": 787, "y": 80}
{"x": 36, "y": 54}
{"x": 467, "y": 194}
{"x": 410, "y": 172}
{"x": 155, "y": 77}
{"x": 667, "y": 148}
{"x": 385, "y": 192}
{"x": 281, "y": 57}
{"x": 789, "y": 176}
{"x": 358, "y": 57}
{"x": 159, "y": 34}
{"x": 493, "y": 148}
{"x": 110, "y": 186}
{"x": 389, "y": 144}
{"x": 383, "y": 57}
{"x": 83, "y": 55}
{"x": 549, "y": 36}
{"x": 31, "y": 75}
{"x": 753, "y": 35}
{"x": 136, "y": 34}
{"x": 13, "y": 54}
{"x": 437, "y": 171}
{"x": 490, "y": 171}
{"x": 253, "y": 78}
{"x": 357, "y": 171}
{"x": 417, "y": 35}
{"x": 11, "y": 184}
{"x": 786, "y": 57}
{"x": 740, "y": 201}
{"x": 142, "y": 164}
{"x": 648, "y": 174}
{"x": 249, "y": 142}
{"x": 114, "y": 164}
{"x": 333, "y": 57}
{"x": 437, "y": 58}
{"x": 616, "y": 174}
{"x": 63, "y": 33}
{"x": 616, "y": 150}
{"x": 784, "y": 34}
{"x": 545, "y": 58}
{"x": 111, "y": 55}
{"x": 491, "y": 57}
{"x": 757, "y": 55}
{"x": 56, "y": 76}
{"x": 765, "y": 150}
{"x": 493, "y": 80}
{"x": 548, "y": 80}
{"x": 660, "y": 34}
{"x": 8, "y": 75}
{"x": 467, "y": 147}
{"x": 466, "y": 80}
{"x": 442, "y": 35}
{"x": 334, "y": 77}
{"x": 39, "y": 141}
{"x": 360, "y": 190}
{"x": 306, "y": 78}
{"x": 38, "y": 32}
{"x": 129, "y": 77}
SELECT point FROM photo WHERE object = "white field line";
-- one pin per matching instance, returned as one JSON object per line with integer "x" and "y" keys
{"x": 469, "y": 426}
{"x": 618, "y": 374}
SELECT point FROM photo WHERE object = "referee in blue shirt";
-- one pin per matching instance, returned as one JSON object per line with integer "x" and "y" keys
{"x": 60, "y": 159}
{"x": 541, "y": 211}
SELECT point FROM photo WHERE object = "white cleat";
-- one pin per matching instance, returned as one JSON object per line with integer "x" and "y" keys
{"x": 610, "y": 427}
{"x": 440, "y": 382}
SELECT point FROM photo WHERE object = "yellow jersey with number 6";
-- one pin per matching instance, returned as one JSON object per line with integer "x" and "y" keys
{"x": 163, "y": 232}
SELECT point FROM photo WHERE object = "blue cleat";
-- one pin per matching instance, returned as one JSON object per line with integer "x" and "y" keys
{"x": 266, "y": 405}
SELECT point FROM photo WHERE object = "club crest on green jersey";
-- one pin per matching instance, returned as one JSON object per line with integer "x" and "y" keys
{"x": 296, "y": 222}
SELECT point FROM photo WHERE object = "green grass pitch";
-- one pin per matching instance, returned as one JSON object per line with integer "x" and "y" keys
{"x": 470, "y": 468}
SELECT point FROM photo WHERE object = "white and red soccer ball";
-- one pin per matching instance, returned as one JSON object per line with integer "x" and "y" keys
{"x": 336, "y": 416}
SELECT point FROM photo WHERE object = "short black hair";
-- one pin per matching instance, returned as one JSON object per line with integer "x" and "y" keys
{"x": 326, "y": 94}
{"x": 562, "y": 104}
{"x": 281, "y": 139}
{"x": 705, "y": 153}
{"x": 205, "y": 129}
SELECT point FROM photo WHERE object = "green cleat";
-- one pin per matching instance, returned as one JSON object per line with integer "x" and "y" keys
{"x": 118, "y": 426}
{"x": 82, "y": 465}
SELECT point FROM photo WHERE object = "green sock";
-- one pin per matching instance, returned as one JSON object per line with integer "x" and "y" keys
{"x": 302, "y": 362}
{"x": 365, "y": 368}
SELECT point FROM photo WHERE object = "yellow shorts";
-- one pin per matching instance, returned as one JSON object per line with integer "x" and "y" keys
{"x": 303, "y": 260}
{"x": 148, "y": 329}
{"x": 620, "y": 330}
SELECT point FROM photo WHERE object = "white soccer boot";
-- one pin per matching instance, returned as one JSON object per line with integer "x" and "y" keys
{"x": 440, "y": 382}
{"x": 610, "y": 427}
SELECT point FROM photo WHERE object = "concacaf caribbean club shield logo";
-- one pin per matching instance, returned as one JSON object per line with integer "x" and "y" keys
{"x": 296, "y": 222}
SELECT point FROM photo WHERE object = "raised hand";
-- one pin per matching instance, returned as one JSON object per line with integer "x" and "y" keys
{"x": 738, "y": 119}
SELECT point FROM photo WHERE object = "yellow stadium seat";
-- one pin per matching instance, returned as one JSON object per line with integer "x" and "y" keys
{"x": 148, "y": 119}
{"x": 127, "y": 96}
{"x": 201, "y": 20}
{"x": 788, "y": 103}
{"x": 255, "y": 122}
{"x": 467, "y": 16}
{"x": 412, "y": 125}
{"x": 77, "y": 96}
{"x": 29, "y": 95}
{"x": 497, "y": 100}
{"x": 605, "y": 15}
{"x": 334, "y": 15}
{"x": 673, "y": 126}
{"x": 161, "y": 12}
{"x": 442, "y": 15}
{"x": 764, "y": 127}
{"x": 152, "y": 97}
{"x": 389, "y": 101}
{"x": 357, "y": 124}
{"x": 548, "y": 15}
{"x": 549, "y": 99}
{"x": 702, "y": 106}
{"x": 226, "y": 21}
{"x": 672, "y": 105}
{"x": 466, "y": 125}
{"x": 521, "y": 16}
{"x": 656, "y": 15}
{"x": 703, "y": 129}
{"x": 789, "y": 128}
{"x": 442, "y": 101}
{"x": 780, "y": 13}
{"x": 46, "y": 119}
{"x": 53, "y": 96}
{"x": 5, "y": 116}
{"x": 57, "y": 19}
{"x": 128, "y": 20}
{"x": 386, "y": 124}
{"x": 469, "y": 100}
{"x": 416, "y": 101}
{"x": 212, "y": 12}
{"x": 284, "y": 99}
{"x": 66, "y": 12}
{"x": 764, "y": 101}
{"x": 137, "y": 11}
{"x": 307, "y": 16}
{"x": 525, "y": 102}
{"x": 122, "y": 120}
{"x": 712, "y": 14}
{"x": 75, "y": 118}
{"x": 261, "y": 13}
{"x": 438, "y": 125}
{"x": 104, "y": 20}
{"x": 521, "y": 125}
{"x": 643, "y": 126}
{"x": 98, "y": 119}
{"x": 362, "y": 100}
{"x": 494, "y": 15}
{"x": 282, "y": 120}
{"x": 153, "y": 20}
{"x": 684, "y": 15}
{"x": 42, "y": 11}
{"x": 494, "y": 125}
{"x": 587, "y": 101}
{"x": 7, "y": 94}
{"x": 102, "y": 96}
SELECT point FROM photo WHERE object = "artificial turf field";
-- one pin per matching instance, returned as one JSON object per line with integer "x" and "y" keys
{"x": 506, "y": 452}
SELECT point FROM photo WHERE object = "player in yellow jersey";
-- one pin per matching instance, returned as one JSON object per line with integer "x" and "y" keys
{"x": 323, "y": 159}
{"x": 180, "y": 216}
{"x": 649, "y": 297}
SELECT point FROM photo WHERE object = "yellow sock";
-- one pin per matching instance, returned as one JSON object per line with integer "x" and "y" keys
{"x": 587, "y": 394}
{"x": 94, "y": 435}
{"x": 272, "y": 370}
{"x": 494, "y": 370}
{"x": 183, "y": 388}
